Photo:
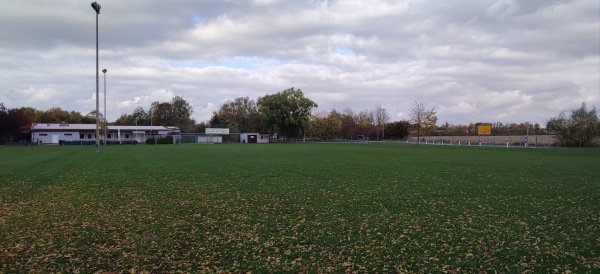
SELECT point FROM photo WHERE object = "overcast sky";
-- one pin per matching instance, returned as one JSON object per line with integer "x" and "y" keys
{"x": 473, "y": 60}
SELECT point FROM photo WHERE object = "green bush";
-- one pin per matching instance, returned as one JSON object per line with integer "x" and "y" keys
{"x": 162, "y": 141}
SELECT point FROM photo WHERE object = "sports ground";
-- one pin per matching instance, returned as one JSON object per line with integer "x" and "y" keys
{"x": 299, "y": 208}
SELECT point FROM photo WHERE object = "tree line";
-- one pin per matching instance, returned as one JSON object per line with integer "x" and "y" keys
{"x": 15, "y": 124}
{"x": 177, "y": 112}
{"x": 290, "y": 114}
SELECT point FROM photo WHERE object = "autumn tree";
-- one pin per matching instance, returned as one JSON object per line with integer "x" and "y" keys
{"x": 348, "y": 125}
{"x": 381, "y": 118}
{"x": 218, "y": 120}
{"x": 241, "y": 115}
{"x": 54, "y": 115}
{"x": 32, "y": 113}
{"x": 18, "y": 125}
{"x": 581, "y": 128}
{"x": 162, "y": 113}
{"x": 398, "y": 130}
{"x": 14, "y": 124}
{"x": 364, "y": 119}
{"x": 139, "y": 117}
{"x": 177, "y": 113}
{"x": 4, "y": 128}
{"x": 181, "y": 114}
{"x": 92, "y": 115}
{"x": 422, "y": 118}
{"x": 325, "y": 125}
{"x": 201, "y": 127}
{"x": 75, "y": 117}
{"x": 286, "y": 112}
{"x": 123, "y": 120}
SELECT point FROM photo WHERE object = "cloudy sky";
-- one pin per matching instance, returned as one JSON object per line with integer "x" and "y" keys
{"x": 473, "y": 60}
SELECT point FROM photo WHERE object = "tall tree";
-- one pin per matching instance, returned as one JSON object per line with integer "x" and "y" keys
{"x": 347, "y": 119}
{"x": 241, "y": 115}
{"x": 581, "y": 128}
{"x": 123, "y": 120}
{"x": 138, "y": 117}
{"x": 163, "y": 114}
{"x": 181, "y": 114}
{"x": 398, "y": 130}
{"x": 364, "y": 119}
{"x": 364, "y": 124}
{"x": 4, "y": 127}
{"x": 348, "y": 125}
{"x": 218, "y": 120}
{"x": 325, "y": 125}
{"x": 381, "y": 118}
{"x": 175, "y": 113}
{"x": 75, "y": 117}
{"x": 14, "y": 124}
{"x": 431, "y": 119}
{"x": 54, "y": 115}
{"x": 32, "y": 113}
{"x": 423, "y": 118}
{"x": 92, "y": 115}
{"x": 286, "y": 112}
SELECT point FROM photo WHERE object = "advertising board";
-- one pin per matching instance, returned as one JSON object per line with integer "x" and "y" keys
{"x": 217, "y": 131}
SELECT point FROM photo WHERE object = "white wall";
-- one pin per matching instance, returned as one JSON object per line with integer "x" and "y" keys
{"x": 55, "y": 137}
{"x": 261, "y": 138}
{"x": 210, "y": 139}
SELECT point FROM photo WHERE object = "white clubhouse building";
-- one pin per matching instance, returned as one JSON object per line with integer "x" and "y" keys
{"x": 53, "y": 133}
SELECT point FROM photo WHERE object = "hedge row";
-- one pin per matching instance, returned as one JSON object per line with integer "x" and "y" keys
{"x": 162, "y": 141}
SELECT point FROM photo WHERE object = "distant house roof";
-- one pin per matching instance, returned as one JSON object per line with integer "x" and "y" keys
{"x": 39, "y": 126}
{"x": 72, "y": 127}
{"x": 146, "y": 128}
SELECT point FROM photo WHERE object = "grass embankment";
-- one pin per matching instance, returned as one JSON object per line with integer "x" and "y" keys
{"x": 312, "y": 207}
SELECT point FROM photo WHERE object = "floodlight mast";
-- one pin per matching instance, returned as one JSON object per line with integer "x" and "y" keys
{"x": 96, "y": 7}
{"x": 105, "y": 119}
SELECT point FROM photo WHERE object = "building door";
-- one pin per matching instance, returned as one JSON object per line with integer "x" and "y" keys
{"x": 251, "y": 139}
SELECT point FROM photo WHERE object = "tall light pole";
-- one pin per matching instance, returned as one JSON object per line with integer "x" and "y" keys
{"x": 96, "y": 7}
{"x": 105, "y": 119}
{"x": 152, "y": 116}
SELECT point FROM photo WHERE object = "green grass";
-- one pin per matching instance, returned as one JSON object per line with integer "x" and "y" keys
{"x": 299, "y": 208}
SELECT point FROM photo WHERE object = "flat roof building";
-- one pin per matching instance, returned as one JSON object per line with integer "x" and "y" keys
{"x": 43, "y": 133}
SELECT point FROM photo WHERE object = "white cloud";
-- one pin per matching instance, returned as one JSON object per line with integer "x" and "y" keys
{"x": 37, "y": 96}
{"x": 474, "y": 60}
{"x": 264, "y": 2}
{"x": 461, "y": 108}
{"x": 145, "y": 100}
{"x": 507, "y": 99}
{"x": 203, "y": 111}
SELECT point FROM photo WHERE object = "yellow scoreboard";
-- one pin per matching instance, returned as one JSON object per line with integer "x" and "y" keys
{"x": 484, "y": 129}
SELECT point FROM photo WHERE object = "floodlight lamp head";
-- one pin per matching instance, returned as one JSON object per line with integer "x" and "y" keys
{"x": 96, "y": 7}
{"x": 104, "y": 70}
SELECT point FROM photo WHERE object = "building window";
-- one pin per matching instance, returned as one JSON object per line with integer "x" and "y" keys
{"x": 81, "y": 136}
{"x": 89, "y": 136}
{"x": 68, "y": 134}
{"x": 126, "y": 135}
{"x": 43, "y": 134}
{"x": 109, "y": 135}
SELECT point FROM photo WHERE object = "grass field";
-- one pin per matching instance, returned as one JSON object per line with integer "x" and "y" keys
{"x": 299, "y": 208}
